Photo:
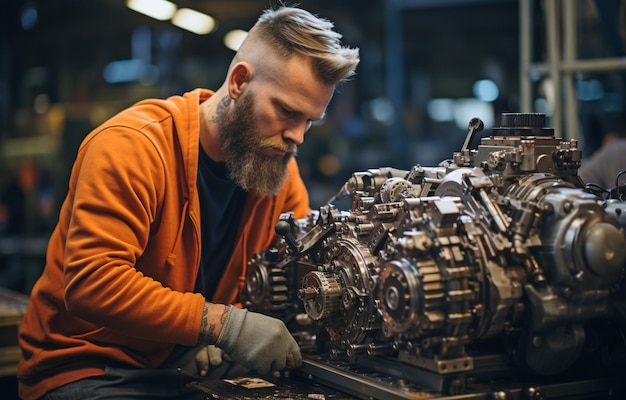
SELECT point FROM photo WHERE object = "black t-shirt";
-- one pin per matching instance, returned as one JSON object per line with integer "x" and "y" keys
{"x": 221, "y": 207}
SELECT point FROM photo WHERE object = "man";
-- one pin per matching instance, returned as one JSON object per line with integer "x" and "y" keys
{"x": 167, "y": 201}
{"x": 604, "y": 166}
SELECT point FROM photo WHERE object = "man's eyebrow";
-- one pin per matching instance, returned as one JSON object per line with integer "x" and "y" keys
{"x": 292, "y": 110}
{"x": 285, "y": 106}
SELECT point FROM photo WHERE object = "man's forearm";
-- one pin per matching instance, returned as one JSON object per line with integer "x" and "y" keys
{"x": 213, "y": 318}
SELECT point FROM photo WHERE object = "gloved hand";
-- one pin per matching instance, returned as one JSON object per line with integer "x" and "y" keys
{"x": 209, "y": 357}
{"x": 258, "y": 342}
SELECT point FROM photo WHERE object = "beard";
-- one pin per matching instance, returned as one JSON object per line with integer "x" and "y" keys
{"x": 247, "y": 164}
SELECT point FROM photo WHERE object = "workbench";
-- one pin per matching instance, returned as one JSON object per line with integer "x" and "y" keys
{"x": 285, "y": 386}
{"x": 12, "y": 309}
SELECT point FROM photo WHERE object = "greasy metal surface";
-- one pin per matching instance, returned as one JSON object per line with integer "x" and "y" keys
{"x": 284, "y": 387}
{"x": 320, "y": 379}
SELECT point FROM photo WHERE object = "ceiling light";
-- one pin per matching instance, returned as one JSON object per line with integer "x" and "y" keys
{"x": 194, "y": 21}
{"x": 157, "y": 9}
{"x": 234, "y": 38}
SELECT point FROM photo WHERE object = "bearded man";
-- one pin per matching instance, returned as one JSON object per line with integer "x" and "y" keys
{"x": 167, "y": 201}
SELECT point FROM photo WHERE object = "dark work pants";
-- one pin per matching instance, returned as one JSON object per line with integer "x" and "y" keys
{"x": 167, "y": 382}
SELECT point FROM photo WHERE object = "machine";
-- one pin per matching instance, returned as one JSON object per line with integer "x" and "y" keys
{"x": 497, "y": 274}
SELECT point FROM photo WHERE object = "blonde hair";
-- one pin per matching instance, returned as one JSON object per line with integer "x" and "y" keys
{"x": 290, "y": 30}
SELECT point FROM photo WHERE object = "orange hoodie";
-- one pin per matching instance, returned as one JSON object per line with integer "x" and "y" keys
{"x": 123, "y": 259}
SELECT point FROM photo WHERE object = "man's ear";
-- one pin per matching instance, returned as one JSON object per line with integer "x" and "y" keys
{"x": 239, "y": 79}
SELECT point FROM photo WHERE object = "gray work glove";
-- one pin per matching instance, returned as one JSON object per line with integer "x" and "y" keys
{"x": 258, "y": 342}
{"x": 209, "y": 357}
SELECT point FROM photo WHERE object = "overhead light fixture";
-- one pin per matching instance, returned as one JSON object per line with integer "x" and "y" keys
{"x": 157, "y": 9}
{"x": 194, "y": 21}
{"x": 234, "y": 38}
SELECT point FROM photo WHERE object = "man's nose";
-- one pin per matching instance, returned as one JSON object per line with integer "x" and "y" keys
{"x": 295, "y": 133}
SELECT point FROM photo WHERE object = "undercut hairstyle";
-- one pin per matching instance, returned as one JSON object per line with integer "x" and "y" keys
{"x": 290, "y": 30}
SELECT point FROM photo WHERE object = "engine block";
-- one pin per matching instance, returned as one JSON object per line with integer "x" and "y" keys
{"x": 499, "y": 251}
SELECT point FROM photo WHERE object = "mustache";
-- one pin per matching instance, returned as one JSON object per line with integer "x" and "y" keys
{"x": 286, "y": 148}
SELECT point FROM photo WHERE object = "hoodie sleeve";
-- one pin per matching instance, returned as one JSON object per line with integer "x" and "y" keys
{"x": 119, "y": 184}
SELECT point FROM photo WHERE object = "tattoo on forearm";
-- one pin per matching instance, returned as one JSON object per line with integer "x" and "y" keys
{"x": 205, "y": 327}
{"x": 209, "y": 332}
{"x": 224, "y": 315}
{"x": 220, "y": 109}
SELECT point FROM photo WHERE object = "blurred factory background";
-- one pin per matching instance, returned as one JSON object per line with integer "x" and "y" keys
{"x": 427, "y": 67}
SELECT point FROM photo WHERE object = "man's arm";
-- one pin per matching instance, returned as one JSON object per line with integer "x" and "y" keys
{"x": 213, "y": 318}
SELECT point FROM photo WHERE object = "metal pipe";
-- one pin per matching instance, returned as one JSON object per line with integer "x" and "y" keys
{"x": 598, "y": 64}
{"x": 553, "y": 34}
{"x": 570, "y": 17}
{"x": 525, "y": 40}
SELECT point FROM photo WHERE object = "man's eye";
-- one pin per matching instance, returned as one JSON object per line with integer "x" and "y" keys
{"x": 286, "y": 112}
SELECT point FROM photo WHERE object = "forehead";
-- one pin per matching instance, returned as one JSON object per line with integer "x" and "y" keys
{"x": 294, "y": 82}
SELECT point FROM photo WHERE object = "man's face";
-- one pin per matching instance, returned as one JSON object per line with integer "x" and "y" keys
{"x": 261, "y": 130}
{"x": 253, "y": 161}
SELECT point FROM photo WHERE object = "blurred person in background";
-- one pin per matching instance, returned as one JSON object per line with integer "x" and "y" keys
{"x": 604, "y": 165}
{"x": 26, "y": 219}
{"x": 12, "y": 218}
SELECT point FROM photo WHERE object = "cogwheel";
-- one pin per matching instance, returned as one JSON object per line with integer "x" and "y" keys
{"x": 411, "y": 297}
{"x": 265, "y": 290}
{"x": 320, "y": 294}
